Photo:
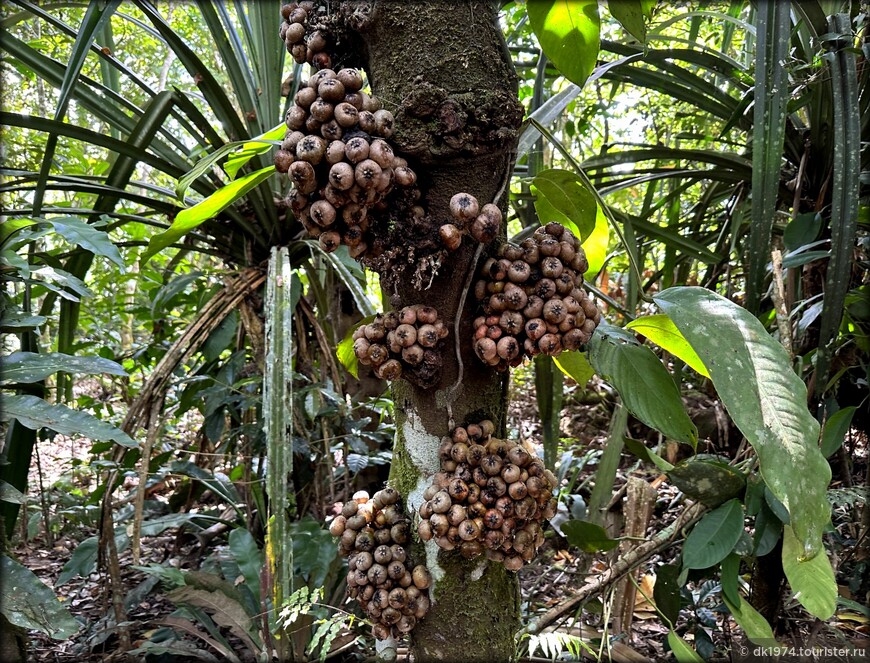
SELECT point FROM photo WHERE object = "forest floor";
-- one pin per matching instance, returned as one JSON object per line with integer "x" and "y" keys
{"x": 546, "y": 582}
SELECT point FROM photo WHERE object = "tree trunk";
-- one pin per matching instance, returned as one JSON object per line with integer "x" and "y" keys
{"x": 442, "y": 68}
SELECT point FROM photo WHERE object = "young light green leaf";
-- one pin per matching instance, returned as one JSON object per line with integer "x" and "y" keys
{"x": 568, "y": 31}
{"x": 766, "y": 399}
{"x": 730, "y": 569}
{"x": 646, "y": 387}
{"x": 252, "y": 148}
{"x": 35, "y": 413}
{"x": 661, "y": 330}
{"x": 575, "y": 365}
{"x": 29, "y": 603}
{"x": 190, "y": 218}
{"x": 82, "y": 234}
{"x": 714, "y": 536}
{"x": 562, "y": 195}
{"x": 812, "y": 580}
{"x": 587, "y": 536}
{"x": 596, "y": 243}
{"x": 682, "y": 650}
{"x": 754, "y": 625}
{"x": 633, "y": 15}
{"x": 836, "y": 427}
{"x": 29, "y": 367}
{"x": 345, "y": 354}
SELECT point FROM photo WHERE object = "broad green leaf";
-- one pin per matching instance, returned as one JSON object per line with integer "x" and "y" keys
{"x": 587, "y": 536}
{"x": 754, "y": 626}
{"x": 633, "y": 15}
{"x": 17, "y": 321}
{"x": 9, "y": 493}
{"x": 666, "y": 591}
{"x": 765, "y": 398}
{"x": 714, "y": 536}
{"x": 35, "y": 413}
{"x": 730, "y": 569}
{"x": 802, "y": 230}
{"x": 29, "y": 603}
{"x": 709, "y": 481}
{"x": 249, "y": 558}
{"x": 661, "y": 330}
{"x": 812, "y": 580}
{"x": 768, "y": 531}
{"x": 252, "y": 148}
{"x": 85, "y": 235}
{"x": 562, "y": 195}
{"x": 190, "y": 218}
{"x": 11, "y": 226}
{"x": 224, "y": 610}
{"x": 218, "y": 482}
{"x": 646, "y": 387}
{"x": 84, "y": 558}
{"x": 836, "y": 427}
{"x": 568, "y": 31}
{"x": 29, "y": 367}
{"x": 682, "y": 650}
{"x": 575, "y": 365}
{"x": 643, "y": 452}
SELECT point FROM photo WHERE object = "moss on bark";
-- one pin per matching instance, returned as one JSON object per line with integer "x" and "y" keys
{"x": 440, "y": 67}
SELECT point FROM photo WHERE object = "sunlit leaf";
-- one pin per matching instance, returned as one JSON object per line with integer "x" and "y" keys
{"x": 661, "y": 330}
{"x": 568, "y": 31}
{"x": 633, "y": 15}
{"x": 836, "y": 427}
{"x": 85, "y": 235}
{"x": 190, "y": 218}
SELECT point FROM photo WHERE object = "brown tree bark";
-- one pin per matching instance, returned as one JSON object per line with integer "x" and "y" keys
{"x": 442, "y": 68}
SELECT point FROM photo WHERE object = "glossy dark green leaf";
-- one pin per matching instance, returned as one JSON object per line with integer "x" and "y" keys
{"x": 714, "y": 536}
{"x": 768, "y": 530}
{"x": 802, "y": 230}
{"x": 836, "y": 427}
{"x": 36, "y": 413}
{"x": 587, "y": 536}
{"x": 568, "y": 31}
{"x": 17, "y": 321}
{"x": 666, "y": 592}
{"x": 711, "y": 482}
{"x": 728, "y": 576}
{"x": 646, "y": 387}
{"x": 29, "y": 367}
{"x": 29, "y": 603}
{"x": 766, "y": 399}
{"x": 249, "y": 558}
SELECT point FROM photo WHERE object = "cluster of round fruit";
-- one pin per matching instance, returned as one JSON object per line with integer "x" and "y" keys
{"x": 338, "y": 157}
{"x": 372, "y": 535}
{"x": 490, "y": 496}
{"x": 469, "y": 218}
{"x": 302, "y": 42}
{"x": 405, "y": 343}
{"x": 533, "y": 299}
